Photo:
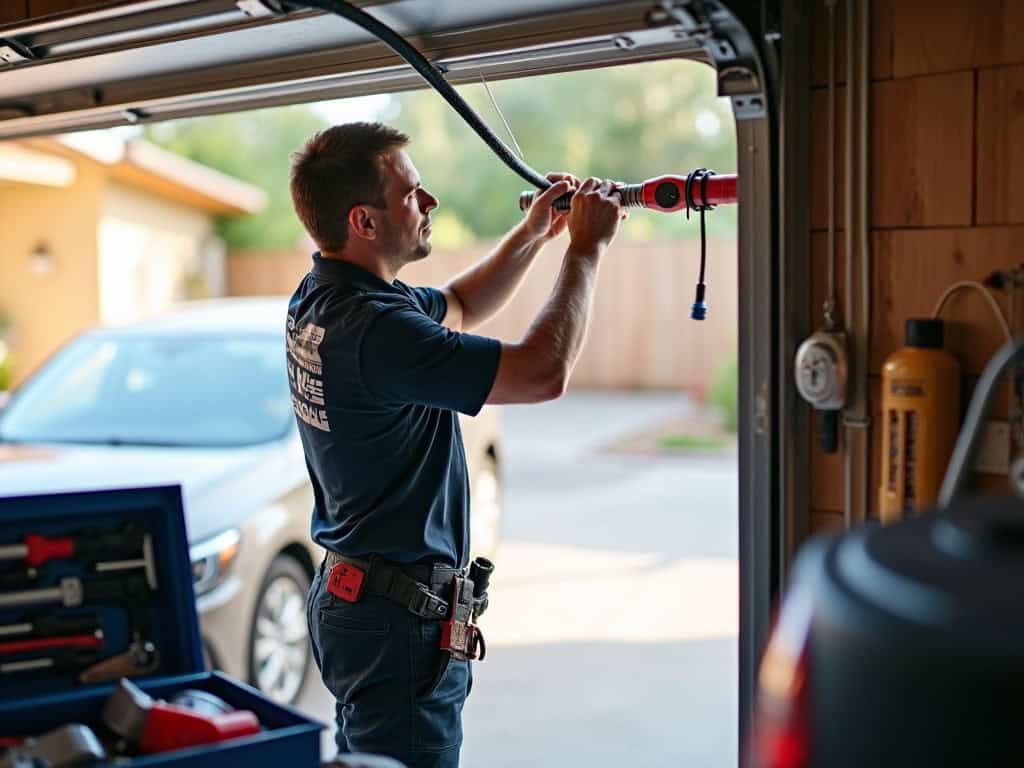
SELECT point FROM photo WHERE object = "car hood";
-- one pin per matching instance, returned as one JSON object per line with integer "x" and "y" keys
{"x": 220, "y": 487}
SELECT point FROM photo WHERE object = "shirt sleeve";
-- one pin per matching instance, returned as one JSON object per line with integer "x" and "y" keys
{"x": 432, "y": 301}
{"x": 408, "y": 357}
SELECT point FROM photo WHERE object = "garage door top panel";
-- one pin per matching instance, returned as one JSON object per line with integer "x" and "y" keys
{"x": 156, "y": 59}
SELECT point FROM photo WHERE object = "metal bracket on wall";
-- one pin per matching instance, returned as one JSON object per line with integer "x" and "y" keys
{"x": 707, "y": 23}
{"x": 13, "y": 52}
{"x": 259, "y": 9}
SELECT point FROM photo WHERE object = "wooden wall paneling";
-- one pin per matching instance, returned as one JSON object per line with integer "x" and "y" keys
{"x": 826, "y": 520}
{"x": 881, "y": 42}
{"x": 875, "y": 441}
{"x": 46, "y": 7}
{"x": 990, "y": 485}
{"x": 819, "y": 158}
{"x": 13, "y": 10}
{"x": 999, "y": 408}
{"x": 954, "y": 35}
{"x": 922, "y": 143}
{"x": 1000, "y": 171}
{"x": 827, "y": 472}
{"x": 819, "y": 275}
{"x": 911, "y": 269}
{"x": 826, "y": 468}
{"x": 819, "y": 44}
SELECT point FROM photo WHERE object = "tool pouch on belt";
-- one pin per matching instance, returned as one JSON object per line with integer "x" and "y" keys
{"x": 349, "y": 579}
{"x": 459, "y": 635}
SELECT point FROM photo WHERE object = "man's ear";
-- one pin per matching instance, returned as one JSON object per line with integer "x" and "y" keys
{"x": 361, "y": 222}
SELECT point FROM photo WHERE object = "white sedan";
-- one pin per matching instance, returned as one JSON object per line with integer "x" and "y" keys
{"x": 199, "y": 397}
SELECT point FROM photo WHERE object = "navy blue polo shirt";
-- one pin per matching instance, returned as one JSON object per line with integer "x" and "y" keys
{"x": 376, "y": 382}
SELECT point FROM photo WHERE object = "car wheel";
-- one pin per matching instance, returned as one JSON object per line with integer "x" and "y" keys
{"x": 279, "y": 651}
{"x": 485, "y": 509}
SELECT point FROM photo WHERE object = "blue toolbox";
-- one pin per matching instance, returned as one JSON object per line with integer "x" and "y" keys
{"x": 100, "y": 658}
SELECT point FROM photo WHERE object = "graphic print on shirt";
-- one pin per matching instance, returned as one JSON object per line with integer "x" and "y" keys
{"x": 305, "y": 369}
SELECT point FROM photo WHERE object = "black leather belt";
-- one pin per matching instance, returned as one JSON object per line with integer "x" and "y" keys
{"x": 415, "y": 587}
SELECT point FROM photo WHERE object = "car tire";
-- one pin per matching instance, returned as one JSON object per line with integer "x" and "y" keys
{"x": 279, "y": 649}
{"x": 485, "y": 508}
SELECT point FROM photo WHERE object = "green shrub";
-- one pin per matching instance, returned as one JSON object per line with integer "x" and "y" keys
{"x": 6, "y": 374}
{"x": 723, "y": 394}
{"x": 685, "y": 442}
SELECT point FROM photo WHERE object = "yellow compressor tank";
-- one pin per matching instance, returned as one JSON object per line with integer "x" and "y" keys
{"x": 920, "y": 419}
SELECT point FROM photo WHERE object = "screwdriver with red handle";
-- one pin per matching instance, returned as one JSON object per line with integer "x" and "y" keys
{"x": 49, "y": 632}
{"x": 86, "y": 547}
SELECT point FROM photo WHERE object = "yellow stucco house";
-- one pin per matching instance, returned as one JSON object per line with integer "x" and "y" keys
{"x": 96, "y": 229}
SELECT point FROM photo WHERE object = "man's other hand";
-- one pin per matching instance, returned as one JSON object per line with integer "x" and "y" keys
{"x": 594, "y": 218}
{"x": 542, "y": 222}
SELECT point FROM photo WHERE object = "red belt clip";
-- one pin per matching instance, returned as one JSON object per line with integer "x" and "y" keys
{"x": 346, "y": 582}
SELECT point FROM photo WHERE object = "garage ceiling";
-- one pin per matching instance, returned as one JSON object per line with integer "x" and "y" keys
{"x": 158, "y": 59}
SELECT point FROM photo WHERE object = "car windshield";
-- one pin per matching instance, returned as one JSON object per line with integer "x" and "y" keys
{"x": 129, "y": 389}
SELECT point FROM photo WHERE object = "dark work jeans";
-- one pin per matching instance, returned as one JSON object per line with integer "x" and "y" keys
{"x": 396, "y": 693}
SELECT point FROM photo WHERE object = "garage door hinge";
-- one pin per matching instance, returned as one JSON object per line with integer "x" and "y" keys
{"x": 13, "y": 52}
{"x": 691, "y": 18}
{"x": 259, "y": 9}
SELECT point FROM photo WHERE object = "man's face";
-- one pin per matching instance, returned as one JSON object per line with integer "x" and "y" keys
{"x": 405, "y": 225}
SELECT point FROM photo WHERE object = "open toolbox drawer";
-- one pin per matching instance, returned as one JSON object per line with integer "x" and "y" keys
{"x": 97, "y": 585}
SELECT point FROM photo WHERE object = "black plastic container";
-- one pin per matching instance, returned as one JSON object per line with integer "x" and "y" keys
{"x": 916, "y": 641}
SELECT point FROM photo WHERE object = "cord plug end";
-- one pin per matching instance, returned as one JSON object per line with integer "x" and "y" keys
{"x": 699, "y": 310}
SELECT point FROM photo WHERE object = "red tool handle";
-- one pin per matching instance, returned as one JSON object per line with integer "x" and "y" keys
{"x": 663, "y": 193}
{"x": 668, "y": 193}
{"x": 169, "y": 726}
{"x": 46, "y": 643}
{"x": 41, "y": 549}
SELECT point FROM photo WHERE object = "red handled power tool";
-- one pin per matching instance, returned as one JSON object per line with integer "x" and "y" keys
{"x": 156, "y": 726}
{"x": 699, "y": 189}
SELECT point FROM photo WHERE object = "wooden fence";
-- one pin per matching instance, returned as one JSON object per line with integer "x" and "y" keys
{"x": 641, "y": 335}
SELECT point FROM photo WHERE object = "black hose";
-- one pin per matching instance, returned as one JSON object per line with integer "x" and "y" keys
{"x": 417, "y": 61}
{"x": 961, "y": 463}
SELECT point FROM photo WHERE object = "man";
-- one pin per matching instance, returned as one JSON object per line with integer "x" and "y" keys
{"x": 378, "y": 371}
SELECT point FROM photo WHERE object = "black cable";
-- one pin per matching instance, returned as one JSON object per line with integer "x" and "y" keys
{"x": 703, "y": 247}
{"x": 699, "y": 310}
{"x": 961, "y": 462}
{"x": 429, "y": 73}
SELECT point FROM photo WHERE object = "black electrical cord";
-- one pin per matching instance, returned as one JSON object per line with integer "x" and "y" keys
{"x": 699, "y": 310}
{"x": 429, "y": 73}
{"x": 434, "y": 78}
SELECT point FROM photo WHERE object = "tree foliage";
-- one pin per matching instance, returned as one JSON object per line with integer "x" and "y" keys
{"x": 255, "y": 147}
{"x": 625, "y": 123}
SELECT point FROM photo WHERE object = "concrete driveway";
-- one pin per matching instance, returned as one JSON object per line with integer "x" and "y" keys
{"x": 612, "y": 632}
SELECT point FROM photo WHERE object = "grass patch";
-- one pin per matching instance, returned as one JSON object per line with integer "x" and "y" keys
{"x": 691, "y": 442}
{"x": 723, "y": 394}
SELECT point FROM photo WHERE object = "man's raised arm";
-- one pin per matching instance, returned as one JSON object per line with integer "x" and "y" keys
{"x": 479, "y": 292}
{"x": 538, "y": 367}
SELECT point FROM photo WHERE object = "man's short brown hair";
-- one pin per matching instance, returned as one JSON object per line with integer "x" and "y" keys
{"x": 336, "y": 170}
